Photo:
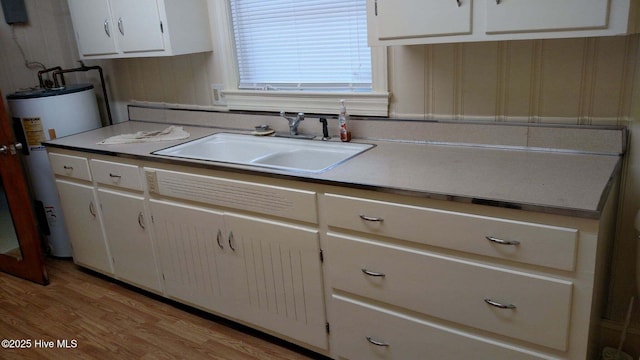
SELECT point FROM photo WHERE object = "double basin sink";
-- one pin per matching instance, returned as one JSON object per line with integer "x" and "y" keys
{"x": 271, "y": 152}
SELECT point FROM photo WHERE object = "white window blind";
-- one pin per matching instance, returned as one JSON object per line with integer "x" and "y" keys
{"x": 317, "y": 45}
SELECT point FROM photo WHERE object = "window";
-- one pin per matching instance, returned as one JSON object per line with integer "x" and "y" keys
{"x": 302, "y": 45}
{"x": 300, "y": 55}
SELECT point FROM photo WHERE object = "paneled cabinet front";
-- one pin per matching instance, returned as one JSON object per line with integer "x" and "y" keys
{"x": 262, "y": 271}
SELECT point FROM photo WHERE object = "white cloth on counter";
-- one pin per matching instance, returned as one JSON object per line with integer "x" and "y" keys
{"x": 170, "y": 133}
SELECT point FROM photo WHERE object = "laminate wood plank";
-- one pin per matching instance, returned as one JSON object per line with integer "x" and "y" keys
{"x": 111, "y": 320}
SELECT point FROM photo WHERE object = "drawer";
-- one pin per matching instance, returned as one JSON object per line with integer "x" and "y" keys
{"x": 117, "y": 174}
{"x": 76, "y": 167}
{"x": 364, "y": 331}
{"x": 454, "y": 289}
{"x": 530, "y": 243}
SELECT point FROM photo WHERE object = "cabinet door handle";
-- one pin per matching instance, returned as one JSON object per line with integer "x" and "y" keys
{"x": 373, "y": 273}
{"x": 218, "y": 237}
{"x": 459, "y": 2}
{"x": 141, "y": 220}
{"x": 377, "y": 342}
{"x": 106, "y": 28}
{"x": 120, "y": 26}
{"x": 497, "y": 2}
{"x": 230, "y": 240}
{"x": 116, "y": 176}
{"x": 499, "y": 305}
{"x": 66, "y": 167}
{"x": 501, "y": 241}
{"x": 92, "y": 209}
{"x": 371, "y": 218}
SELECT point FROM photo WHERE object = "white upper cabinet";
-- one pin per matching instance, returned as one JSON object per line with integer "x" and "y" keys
{"x": 119, "y": 28}
{"x": 414, "y": 18}
{"x": 139, "y": 25}
{"x": 546, "y": 15}
{"x": 93, "y": 26}
{"x": 409, "y": 22}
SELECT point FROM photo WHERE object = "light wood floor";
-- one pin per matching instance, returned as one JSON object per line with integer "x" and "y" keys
{"x": 110, "y": 320}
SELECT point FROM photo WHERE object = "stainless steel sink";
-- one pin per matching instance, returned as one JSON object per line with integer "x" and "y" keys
{"x": 278, "y": 153}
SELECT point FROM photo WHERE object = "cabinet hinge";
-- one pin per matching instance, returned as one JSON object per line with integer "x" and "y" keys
{"x": 376, "y": 8}
{"x": 321, "y": 256}
{"x": 161, "y": 27}
{"x": 326, "y": 326}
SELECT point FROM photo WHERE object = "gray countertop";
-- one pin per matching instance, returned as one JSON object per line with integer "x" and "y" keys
{"x": 568, "y": 183}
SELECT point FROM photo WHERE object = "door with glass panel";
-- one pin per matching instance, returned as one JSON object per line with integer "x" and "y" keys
{"x": 20, "y": 250}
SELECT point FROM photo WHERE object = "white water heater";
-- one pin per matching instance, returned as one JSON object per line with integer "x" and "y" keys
{"x": 45, "y": 114}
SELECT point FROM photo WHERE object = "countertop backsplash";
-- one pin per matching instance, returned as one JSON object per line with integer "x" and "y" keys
{"x": 588, "y": 139}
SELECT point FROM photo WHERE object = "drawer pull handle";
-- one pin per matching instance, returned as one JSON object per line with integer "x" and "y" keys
{"x": 115, "y": 176}
{"x": 371, "y": 218}
{"x": 499, "y": 305}
{"x": 218, "y": 237}
{"x": 377, "y": 342}
{"x": 66, "y": 167}
{"x": 120, "y": 26}
{"x": 231, "y": 242}
{"x": 373, "y": 273}
{"x": 106, "y": 28}
{"x": 502, "y": 242}
{"x": 92, "y": 209}
{"x": 141, "y": 220}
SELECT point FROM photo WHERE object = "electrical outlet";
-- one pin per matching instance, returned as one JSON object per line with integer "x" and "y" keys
{"x": 217, "y": 95}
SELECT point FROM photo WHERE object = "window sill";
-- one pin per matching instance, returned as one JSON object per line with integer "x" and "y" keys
{"x": 364, "y": 104}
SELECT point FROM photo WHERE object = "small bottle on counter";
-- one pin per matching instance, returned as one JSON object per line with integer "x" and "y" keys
{"x": 345, "y": 133}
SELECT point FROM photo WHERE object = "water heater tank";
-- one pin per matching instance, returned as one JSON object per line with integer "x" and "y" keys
{"x": 40, "y": 115}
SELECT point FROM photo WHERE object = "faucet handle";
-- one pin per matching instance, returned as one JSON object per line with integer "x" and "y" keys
{"x": 325, "y": 130}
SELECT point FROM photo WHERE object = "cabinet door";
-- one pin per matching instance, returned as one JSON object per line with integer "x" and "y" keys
{"x": 128, "y": 237}
{"x": 545, "y": 15}
{"x": 138, "y": 25}
{"x": 95, "y": 30}
{"x": 399, "y": 19}
{"x": 190, "y": 248}
{"x": 276, "y": 273}
{"x": 79, "y": 205}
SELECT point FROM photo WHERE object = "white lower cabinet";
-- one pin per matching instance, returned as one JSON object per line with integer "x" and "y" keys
{"x": 261, "y": 271}
{"x": 403, "y": 277}
{"x": 277, "y": 277}
{"x": 459, "y": 281}
{"x": 191, "y": 253}
{"x": 126, "y": 225}
{"x": 80, "y": 206}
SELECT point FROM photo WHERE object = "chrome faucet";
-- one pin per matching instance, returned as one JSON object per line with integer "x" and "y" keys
{"x": 293, "y": 123}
